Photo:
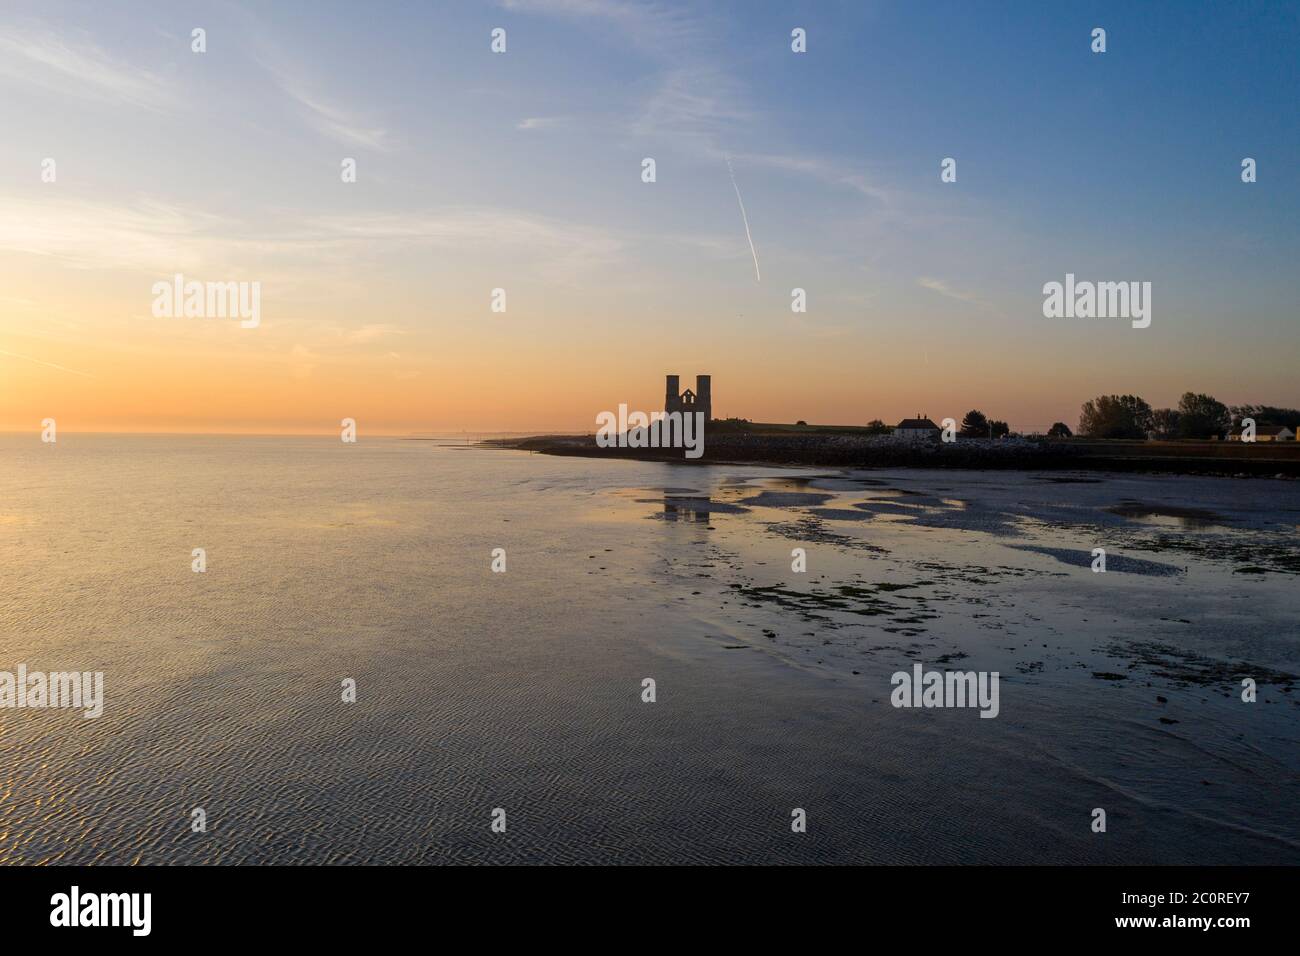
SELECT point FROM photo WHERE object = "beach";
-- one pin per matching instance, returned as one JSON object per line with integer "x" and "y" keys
{"x": 523, "y": 690}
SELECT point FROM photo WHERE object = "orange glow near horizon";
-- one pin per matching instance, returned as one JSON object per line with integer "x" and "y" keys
{"x": 922, "y": 296}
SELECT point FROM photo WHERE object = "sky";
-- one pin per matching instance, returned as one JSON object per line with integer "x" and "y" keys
{"x": 522, "y": 171}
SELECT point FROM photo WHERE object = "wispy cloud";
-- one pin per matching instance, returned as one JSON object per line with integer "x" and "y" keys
{"x": 560, "y": 249}
{"x": 828, "y": 171}
{"x": 538, "y": 122}
{"x": 161, "y": 238}
{"x": 372, "y": 332}
{"x": 941, "y": 287}
{"x": 149, "y": 234}
{"x": 649, "y": 25}
{"x": 694, "y": 98}
{"x": 696, "y": 104}
{"x": 944, "y": 289}
{"x": 36, "y": 56}
{"x": 61, "y": 368}
{"x": 327, "y": 118}
{"x": 307, "y": 91}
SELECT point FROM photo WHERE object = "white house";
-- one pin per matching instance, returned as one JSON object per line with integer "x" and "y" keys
{"x": 919, "y": 427}
{"x": 1266, "y": 433}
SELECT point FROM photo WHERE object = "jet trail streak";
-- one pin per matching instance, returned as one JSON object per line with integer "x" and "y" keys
{"x": 744, "y": 218}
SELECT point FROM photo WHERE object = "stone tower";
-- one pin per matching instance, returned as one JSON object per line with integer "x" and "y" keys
{"x": 673, "y": 398}
{"x": 700, "y": 400}
{"x": 704, "y": 396}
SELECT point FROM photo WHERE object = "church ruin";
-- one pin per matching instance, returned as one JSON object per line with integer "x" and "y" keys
{"x": 700, "y": 400}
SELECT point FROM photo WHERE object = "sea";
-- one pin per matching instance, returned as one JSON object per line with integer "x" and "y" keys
{"x": 435, "y": 652}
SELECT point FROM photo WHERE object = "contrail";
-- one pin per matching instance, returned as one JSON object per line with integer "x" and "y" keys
{"x": 758, "y": 275}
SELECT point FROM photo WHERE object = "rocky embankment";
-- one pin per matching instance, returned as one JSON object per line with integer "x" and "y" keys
{"x": 828, "y": 449}
{"x": 850, "y": 450}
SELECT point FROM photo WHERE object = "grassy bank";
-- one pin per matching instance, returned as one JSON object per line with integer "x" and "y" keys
{"x": 849, "y": 447}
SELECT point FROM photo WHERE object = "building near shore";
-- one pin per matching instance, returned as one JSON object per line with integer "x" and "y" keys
{"x": 700, "y": 400}
{"x": 916, "y": 428}
{"x": 1266, "y": 433}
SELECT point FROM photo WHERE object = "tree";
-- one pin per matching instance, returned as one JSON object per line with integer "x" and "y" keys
{"x": 1267, "y": 414}
{"x": 1164, "y": 422}
{"x": 1060, "y": 430}
{"x": 1202, "y": 416}
{"x": 877, "y": 427}
{"x": 999, "y": 429}
{"x": 974, "y": 425}
{"x": 1115, "y": 416}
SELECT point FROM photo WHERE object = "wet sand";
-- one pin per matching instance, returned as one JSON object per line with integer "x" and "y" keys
{"x": 1128, "y": 680}
{"x": 522, "y": 690}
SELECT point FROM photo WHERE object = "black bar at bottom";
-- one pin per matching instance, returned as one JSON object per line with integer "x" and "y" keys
{"x": 337, "y": 904}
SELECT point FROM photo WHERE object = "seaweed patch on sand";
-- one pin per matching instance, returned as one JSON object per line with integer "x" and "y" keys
{"x": 1114, "y": 562}
{"x": 1259, "y": 549}
{"x": 811, "y": 529}
{"x": 977, "y": 574}
{"x": 822, "y": 605}
{"x": 1185, "y": 668}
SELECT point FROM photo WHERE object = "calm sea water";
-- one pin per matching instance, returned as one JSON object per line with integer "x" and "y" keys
{"x": 522, "y": 690}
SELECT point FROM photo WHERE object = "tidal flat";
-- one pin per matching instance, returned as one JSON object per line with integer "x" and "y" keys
{"x": 1128, "y": 679}
{"x": 523, "y": 690}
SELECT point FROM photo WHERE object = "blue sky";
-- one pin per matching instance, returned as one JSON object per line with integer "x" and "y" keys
{"x": 522, "y": 170}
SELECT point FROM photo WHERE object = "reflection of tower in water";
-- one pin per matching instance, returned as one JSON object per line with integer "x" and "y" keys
{"x": 686, "y": 509}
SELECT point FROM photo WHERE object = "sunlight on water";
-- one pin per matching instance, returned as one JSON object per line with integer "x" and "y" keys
{"x": 475, "y": 689}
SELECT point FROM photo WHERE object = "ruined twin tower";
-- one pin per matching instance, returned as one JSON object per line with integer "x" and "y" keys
{"x": 700, "y": 400}
{"x": 680, "y": 425}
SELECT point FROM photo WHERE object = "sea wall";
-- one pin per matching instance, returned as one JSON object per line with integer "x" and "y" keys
{"x": 848, "y": 450}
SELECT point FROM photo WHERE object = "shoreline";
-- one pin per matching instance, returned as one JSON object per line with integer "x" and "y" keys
{"x": 831, "y": 449}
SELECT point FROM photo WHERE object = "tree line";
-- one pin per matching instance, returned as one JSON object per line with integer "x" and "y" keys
{"x": 1197, "y": 416}
{"x": 1129, "y": 416}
